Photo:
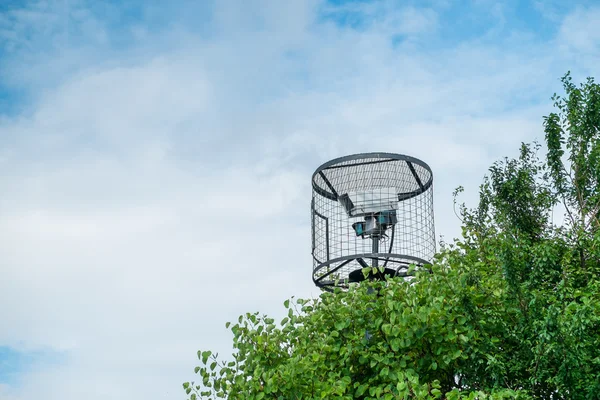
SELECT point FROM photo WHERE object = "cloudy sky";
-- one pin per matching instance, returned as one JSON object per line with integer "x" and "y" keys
{"x": 155, "y": 157}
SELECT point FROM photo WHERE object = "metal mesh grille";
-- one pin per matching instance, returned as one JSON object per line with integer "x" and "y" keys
{"x": 356, "y": 188}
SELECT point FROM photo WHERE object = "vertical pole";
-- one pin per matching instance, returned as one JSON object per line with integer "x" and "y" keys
{"x": 375, "y": 249}
{"x": 370, "y": 290}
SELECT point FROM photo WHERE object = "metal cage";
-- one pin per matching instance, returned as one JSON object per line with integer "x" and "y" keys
{"x": 371, "y": 209}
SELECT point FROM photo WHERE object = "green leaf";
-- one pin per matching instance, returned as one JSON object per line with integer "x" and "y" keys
{"x": 205, "y": 355}
{"x": 361, "y": 390}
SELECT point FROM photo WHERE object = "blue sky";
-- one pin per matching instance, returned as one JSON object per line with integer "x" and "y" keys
{"x": 16, "y": 363}
{"x": 118, "y": 31}
{"x": 12, "y": 363}
{"x": 127, "y": 127}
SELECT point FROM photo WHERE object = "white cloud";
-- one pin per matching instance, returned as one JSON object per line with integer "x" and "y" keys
{"x": 386, "y": 17}
{"x": 151, "y": 195}
{"x": 579, "y": 34}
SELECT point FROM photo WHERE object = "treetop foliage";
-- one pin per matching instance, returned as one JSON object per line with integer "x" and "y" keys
{"x": 510, "y": 310}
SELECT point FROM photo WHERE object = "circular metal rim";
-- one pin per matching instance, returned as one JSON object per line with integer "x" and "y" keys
{"x": 358, "y": 156}
{"x": 391, "y": 256}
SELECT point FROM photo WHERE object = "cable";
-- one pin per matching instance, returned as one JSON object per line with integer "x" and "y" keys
{"x": 391, "y": 245}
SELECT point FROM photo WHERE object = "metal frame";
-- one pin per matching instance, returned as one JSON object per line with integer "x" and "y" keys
{"x": 332, "y": 164}
{"x": 336, "y": 250}
{"x": 394, "y": 258}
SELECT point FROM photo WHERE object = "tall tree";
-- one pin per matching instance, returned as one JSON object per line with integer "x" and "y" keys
{"x": 510, "y": 310}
